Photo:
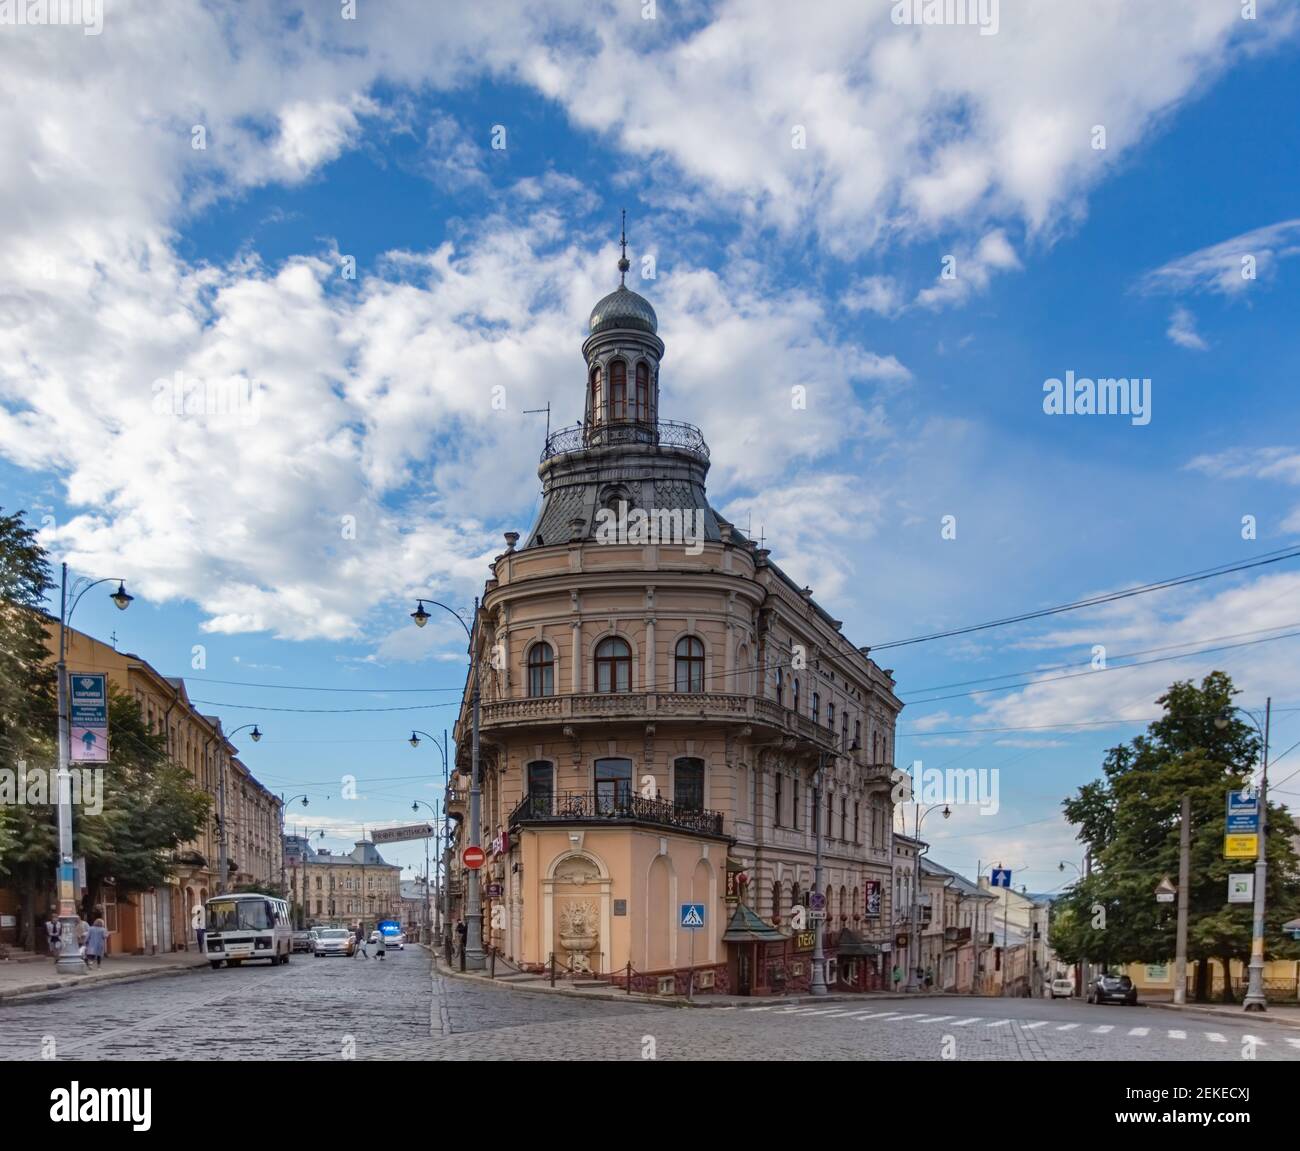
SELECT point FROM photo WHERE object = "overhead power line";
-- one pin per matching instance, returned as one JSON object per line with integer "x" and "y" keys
{"x": 1097, "y": 600}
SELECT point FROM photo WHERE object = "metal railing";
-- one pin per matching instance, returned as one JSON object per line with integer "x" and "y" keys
{"x": 664, "y": 433}
{"x": 619, "y": 805}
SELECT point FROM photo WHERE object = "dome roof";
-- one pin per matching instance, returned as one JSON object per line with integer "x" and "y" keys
{"x": 623, "y": 308}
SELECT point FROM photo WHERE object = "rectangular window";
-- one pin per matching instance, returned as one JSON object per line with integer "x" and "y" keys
{"x": 613, "y": 785}
{"x": 794, "y": 804}
{"x": 688, "y": 784}
{"x": 856, "y": 830}
{"x": 541, "y": 786}
{"x": 777, "y": 805}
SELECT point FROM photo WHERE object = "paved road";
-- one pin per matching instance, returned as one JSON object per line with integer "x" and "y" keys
{"x": 398, "y": 1009}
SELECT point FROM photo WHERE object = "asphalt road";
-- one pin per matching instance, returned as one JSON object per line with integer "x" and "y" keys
{"x": 398, "y": 1008}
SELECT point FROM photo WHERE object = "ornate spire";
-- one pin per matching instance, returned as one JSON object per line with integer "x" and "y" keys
{"x": 623, "y": 265}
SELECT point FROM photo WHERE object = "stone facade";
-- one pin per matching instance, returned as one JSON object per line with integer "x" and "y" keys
{"x": 656, "y": 705}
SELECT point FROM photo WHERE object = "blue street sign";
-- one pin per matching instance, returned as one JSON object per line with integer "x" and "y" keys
{"x": 692, "y": 916}
{"x": 1243, "y": 813}
{"x": 89, "y": 718}
{"x": 1001, "y": 877}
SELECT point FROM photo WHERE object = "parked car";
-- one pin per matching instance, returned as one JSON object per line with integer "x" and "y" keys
{"x": 304, "y": 941}
{"x": 1063, "y": 987}
{"x": 333, "y": 941}
{"x": 1113, "y": 989}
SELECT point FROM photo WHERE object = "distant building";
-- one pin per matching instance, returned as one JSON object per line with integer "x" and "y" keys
{"x": 337, "y": 890}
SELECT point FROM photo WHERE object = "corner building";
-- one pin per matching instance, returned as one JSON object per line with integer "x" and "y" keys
{"x": 655, "y": 709}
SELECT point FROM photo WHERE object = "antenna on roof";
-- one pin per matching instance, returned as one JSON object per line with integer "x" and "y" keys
{"x": 623, "y": 265}
{"x": 538, "y": 411}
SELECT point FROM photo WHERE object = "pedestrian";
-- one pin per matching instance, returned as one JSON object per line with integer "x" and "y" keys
{"x": 52, "y": 934}
{"x": 897, "y": 975}
{"x": 83, "y": 933}
{"x": 929, "y": 978}
{"x": 359, "y": 947}
{"x": 462, "y": 931}
{"x": 379, "y": 942}
{"x": 97, "y": 943}
{"x": 197, "y": 919}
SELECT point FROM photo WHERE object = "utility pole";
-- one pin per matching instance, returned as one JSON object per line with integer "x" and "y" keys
{"x": 1006, "y": 951}
{"x": 1255, "y": 999}
{"x": 222, "y": 870}
{"x": 475, "y": 959}
{"x": 975, "y": 975}
{"x": 1184, "y": 866}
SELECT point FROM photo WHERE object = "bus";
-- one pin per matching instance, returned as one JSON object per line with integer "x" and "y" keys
{"x": 247, "y": 927}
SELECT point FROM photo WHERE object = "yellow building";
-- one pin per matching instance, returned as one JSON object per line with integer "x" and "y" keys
{"x": 339, "y": 890}
{"x": 657, "y": 699}
{"x": 159, "y": 920}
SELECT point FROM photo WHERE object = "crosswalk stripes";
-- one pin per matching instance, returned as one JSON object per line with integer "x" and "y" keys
{"x": 1103, "y": 1029}
{"x": 1067, "y": 1027}
{"x": 965, "y": 1022}
{"x": 1215, "y": 1037}
{"x": 1139, "y": 1031}
{"x": 936, "y": 1018}
{"x": 1000, "y": 1023}
{"x": 1031, "y": 1026}
{"x": 1177, "y": 1034}
{"x": 1294, "y": 1042}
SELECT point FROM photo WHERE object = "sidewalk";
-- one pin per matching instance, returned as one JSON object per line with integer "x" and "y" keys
{"x": 509, "y": 979}
{"x": 1285, "y": 1014}
{"x": 39, "y": 978}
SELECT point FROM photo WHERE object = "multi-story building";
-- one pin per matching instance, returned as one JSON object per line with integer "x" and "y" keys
{"x": 160, "y": 919}
{"x": 338, "y": 890}
{"x": 966, "y": 914}
{"x": 667, "y": 717}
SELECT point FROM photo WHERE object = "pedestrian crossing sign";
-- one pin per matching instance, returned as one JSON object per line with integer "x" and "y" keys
{"x": 692, "y": 916}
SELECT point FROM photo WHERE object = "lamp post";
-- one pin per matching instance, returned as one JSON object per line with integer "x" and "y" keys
{"x": 283, "y": 804}
{"x": 1255, "y": 998}
{"x": 445, "y": 877}
{"x": 415, "y": 806}
{"x": 475, "y": 959}
{"x": 223, "y": 877}
{"x": 69, "y": 961}
{"x": 918, "y": 819}
{"x": 1084, "y": 872}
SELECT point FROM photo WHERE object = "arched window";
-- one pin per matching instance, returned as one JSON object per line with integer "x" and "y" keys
{"x": 613, "y": 665}
{"x": 643, "y": 391}
{"x": 618, "y": 390}
{"x": 541, "y": 670}
{"x": 817, "y": 707}
{"x": 796, "y": 897}
{"x": 690, "y": 664}
{"x": 796, "y": 694}
{"x": 780, "y": 688}
{"x": 597, "y": 400}
{"x": 776, "y": 901}
{"x": 688, "y": 784}
{"x": 830, "y": 715}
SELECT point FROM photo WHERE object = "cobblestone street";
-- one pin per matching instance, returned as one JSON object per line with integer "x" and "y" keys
{"x": 359, "y": 1008}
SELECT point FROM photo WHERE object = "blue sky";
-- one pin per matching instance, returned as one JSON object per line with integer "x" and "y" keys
{"x": 134, "y": 256}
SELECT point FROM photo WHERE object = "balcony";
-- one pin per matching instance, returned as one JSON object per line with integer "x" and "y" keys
{"x": 666, "y": 433}
{"x": 608, "y": 807}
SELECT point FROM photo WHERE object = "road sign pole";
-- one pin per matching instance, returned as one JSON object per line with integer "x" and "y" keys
{"x": 1184, "y": 866}
{"x": 1255, "y": 999}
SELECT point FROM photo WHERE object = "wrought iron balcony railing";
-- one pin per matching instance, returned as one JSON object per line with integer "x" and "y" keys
{"x": 615, "y": 806}
{"x": 665, "y": 433}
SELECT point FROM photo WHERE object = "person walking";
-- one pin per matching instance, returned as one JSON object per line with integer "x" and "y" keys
{"x": 97, "y": 943}
{"x": 359, "y": 947}
{"x": 83, "y": 933}
{"x": 897, "y": 976}
{"x": 379, "y": 943}
{"x": 52, "y": 935}
{"x": 929, "y": 978}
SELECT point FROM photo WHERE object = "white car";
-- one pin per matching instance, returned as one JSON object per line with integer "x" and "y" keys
{"x": 396, "y": 942}
{"x": 1063, "y": 988}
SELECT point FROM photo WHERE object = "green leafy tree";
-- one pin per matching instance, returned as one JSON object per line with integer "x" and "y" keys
{"x": 1130, "y": 818}
{"x": 28, "y": 833}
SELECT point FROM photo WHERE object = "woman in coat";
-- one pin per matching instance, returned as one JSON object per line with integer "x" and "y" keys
{"x": 96, "y": 943}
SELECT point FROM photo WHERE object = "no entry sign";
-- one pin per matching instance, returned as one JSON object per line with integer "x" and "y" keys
{"x": 473, "y": 857}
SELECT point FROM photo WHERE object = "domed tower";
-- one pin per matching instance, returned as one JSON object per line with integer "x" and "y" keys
{"x": 621, "y": 452}
{"x": 622, "y": 351}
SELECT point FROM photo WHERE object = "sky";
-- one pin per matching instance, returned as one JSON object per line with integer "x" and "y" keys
{"x": 368, "y": 237}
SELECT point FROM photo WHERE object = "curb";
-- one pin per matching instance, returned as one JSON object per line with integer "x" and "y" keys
{"x": 703, "y": 1002}
{"x": 1244, "y": 1016}
{"x": 43, "y": 991}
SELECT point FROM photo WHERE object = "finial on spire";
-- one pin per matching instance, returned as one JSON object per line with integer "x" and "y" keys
{"x": 623, "y": 265}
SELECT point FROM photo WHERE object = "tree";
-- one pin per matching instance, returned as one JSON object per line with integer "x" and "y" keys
{"x": 28, "y": 833}
{"x": 1130, "y": 819}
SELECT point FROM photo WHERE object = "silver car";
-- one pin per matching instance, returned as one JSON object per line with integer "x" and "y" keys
{"x": 333, "y": 941}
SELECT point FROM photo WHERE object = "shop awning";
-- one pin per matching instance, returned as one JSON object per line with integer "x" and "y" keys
{"x": 746, "y": 927}
{"x": 850, "y": 944}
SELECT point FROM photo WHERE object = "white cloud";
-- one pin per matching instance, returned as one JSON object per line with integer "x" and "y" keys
{"x": 1182, "y": 331}
{"x": 969, "y": 271}
{"x": 879, "y": 294}
{"x": 1229, "y": 267}
{"x": 1270, "y": 463}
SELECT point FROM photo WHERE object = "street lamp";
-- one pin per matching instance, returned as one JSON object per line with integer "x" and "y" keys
{"x": 918, "y": 819}
{"x": 283, "y": 804}
{"x": 415, "y": 806}
{"x": 475, "y": 959}
{"x": 442, "y": 852}
{"x": 1255, "y": 999}
{"x": 222, "y": 874}
{"x": 69, "y": 961}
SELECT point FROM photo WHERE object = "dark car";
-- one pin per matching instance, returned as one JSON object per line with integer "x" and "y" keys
{"x": 303, "y": 941}
{"x": 1113, "y": 989}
